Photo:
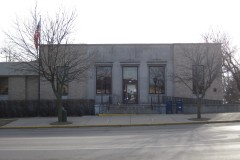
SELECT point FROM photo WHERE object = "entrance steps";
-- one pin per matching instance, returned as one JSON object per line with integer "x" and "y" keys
{"x": 130, "y": 109}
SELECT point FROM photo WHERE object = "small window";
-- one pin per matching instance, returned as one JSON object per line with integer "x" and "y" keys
{"x": 62, "y": 75}
{"x": 198, "y": 78}
{"x": 65, "y": 89}
{"x": 3, "y": 85}
{"x": 214, "y": 89}
{"x": 104, "y": 80}
{"x": 157, "y": 79}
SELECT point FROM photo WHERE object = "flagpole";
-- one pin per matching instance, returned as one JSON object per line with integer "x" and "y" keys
{"x": 39, "y": 63}
{"x": 38, "y": 109}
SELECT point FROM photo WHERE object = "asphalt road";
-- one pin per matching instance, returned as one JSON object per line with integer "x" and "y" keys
{"x": 181, "y": 142}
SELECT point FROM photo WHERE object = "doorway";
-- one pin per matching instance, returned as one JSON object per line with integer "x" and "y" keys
{"x": 130, "y": 85}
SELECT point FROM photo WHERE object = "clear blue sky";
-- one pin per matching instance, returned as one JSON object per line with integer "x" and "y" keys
{"x": 136, "y": 21}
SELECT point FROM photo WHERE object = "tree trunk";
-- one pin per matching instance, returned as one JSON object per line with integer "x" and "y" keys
{"x": 60, "y": 108}
{"x": 199, "y": 107}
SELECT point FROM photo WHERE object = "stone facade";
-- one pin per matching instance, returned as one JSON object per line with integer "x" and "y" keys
{"x": 21, "y": 85}
{"x": 117, "y": 56}
{"x": 183, "y": 64}
{"x": 137, "y": 55}
{"x": 21, "y": 88}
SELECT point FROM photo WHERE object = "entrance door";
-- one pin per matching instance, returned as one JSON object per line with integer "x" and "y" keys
{"x": 130, "y": 87}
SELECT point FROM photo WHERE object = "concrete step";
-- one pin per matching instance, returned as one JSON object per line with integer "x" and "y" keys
{"x": 131, "y": 112}
{"x": 130, "y": 109}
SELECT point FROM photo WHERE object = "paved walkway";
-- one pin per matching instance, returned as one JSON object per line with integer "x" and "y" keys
{"x": 123, "y": 120}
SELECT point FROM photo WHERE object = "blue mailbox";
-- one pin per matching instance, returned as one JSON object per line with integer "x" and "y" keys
{"x": 169, "y": 107}
{"x": 179, "y": 106}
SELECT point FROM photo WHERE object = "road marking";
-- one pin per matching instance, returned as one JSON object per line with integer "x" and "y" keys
{"x": 71, "y": 137}
{"x": 232, "y": 145}
{"x": 223, "y": 137}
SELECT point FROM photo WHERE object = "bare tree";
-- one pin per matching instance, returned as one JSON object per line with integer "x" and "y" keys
{"x": 232, "y": 94}
{"x": 8, "y": 53}
{"x": 231, "y": 65}
{"x": 200, "y": 67}
{"x": 48, "y": 53}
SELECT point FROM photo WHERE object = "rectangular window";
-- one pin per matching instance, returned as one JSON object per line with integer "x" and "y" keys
{"x": 104, "y": 80}
{"x": 62, "y": 74}
{"x": 3, "y": 85}
{"x": 198, "y": 78}
{"x": 65, "y": 89}
{"x": 157, "y": 79}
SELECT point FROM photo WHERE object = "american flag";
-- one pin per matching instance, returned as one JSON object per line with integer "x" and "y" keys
{"x": 37, "y": 35}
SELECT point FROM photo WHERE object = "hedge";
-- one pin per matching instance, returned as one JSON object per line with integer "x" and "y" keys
{"x": 31, "y": 108}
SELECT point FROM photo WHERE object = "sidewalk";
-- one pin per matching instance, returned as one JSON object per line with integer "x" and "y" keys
{"x": 123, "y": 120}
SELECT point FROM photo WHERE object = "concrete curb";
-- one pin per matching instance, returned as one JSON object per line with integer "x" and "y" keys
{"x": 110, "y": 115}
{"x": 117, "y": 125}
